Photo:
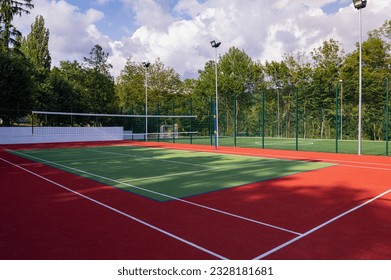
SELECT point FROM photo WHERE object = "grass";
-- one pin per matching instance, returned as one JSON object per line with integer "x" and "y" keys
{"x": 166, "y": 174}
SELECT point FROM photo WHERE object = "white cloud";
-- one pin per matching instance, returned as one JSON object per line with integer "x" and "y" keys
{"x": 150, "y": 13}
{"x": 180, "y": 35}
{"x": 72, "y": 33}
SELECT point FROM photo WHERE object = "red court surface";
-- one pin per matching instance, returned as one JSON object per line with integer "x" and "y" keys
{"x": 338, "y": 212}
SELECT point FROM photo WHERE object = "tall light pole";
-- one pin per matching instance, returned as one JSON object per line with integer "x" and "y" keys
{"x": 359, "y": 5}
{"x": 146, "y": 65}
{"x": 215, "y": 46}
{"x": 341, "y": 81}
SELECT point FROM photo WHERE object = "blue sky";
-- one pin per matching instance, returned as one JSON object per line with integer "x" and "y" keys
{"x": 333, "y": 7}
{"x": 117, "y": 17}
{"x": 178, "y": 32}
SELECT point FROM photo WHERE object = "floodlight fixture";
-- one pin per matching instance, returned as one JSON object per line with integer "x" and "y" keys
{"x": 359, "y": 4}
{"x": 214, "y": 44}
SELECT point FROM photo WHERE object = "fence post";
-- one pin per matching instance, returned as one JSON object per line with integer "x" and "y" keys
{"x": 158, "y": 121}
{"x": 235, "y": 128}
{"x": 173, "y": 122}
{"x": 191, "y": 113}
{"x": 215, "y": 123}
{"x": 297, "y": 118}
{"x": 336, "y": 118}
{"x": 211, "y": 121}
{"x": 387, "y": 115}
{"x": 263, "y": 119}
{"x": 259, "y": 125}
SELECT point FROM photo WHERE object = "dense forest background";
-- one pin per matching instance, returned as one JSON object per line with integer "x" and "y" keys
{"x": 250, "y": 92}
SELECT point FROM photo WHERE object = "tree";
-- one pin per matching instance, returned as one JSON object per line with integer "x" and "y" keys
{"x": 130, "y": 87}
{"x": 73, "y": 74}
{"x": 327, "y": 63}
{"x": 237, "y": 76}
{"x": 16, "y": 87}
{"x": 9, "y": 9}
{"x": 98, "y": 61}
{"x": 164, "y": 86}
{"x": 99, "y": 83}
{"x": 36, "y": 45}
{"x": 278, "y": 78}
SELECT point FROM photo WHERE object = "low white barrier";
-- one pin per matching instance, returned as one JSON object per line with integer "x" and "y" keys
{"x": 25, "y": 135}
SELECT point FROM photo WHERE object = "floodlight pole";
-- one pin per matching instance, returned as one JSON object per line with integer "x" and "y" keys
{"x": 341, "y": 81}
{"x": 146, "y": 65}
{"x": 359, "y": 5}
{"x": 360, "y": 91}
{"x": 215, "y": 46}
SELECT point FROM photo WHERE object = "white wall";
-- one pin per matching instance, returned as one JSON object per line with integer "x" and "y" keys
{"x": 25, "y": 135}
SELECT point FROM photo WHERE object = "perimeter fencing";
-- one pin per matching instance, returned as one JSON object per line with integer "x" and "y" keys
{"x": 267, "y": 119}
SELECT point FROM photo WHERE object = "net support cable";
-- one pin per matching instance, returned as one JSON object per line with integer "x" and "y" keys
{"x": 110, "y": 115}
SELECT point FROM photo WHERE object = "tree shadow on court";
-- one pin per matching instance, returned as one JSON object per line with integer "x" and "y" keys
{"x": 329, "y": 209}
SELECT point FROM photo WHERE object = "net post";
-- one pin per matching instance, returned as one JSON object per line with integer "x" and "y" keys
{"x": 32, "y": 123}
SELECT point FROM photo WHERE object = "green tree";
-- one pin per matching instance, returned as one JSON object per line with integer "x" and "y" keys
{"x": 375, "y": 70}
{"x": 98, "y": 61}
{"x": 99, "y": 83}
{"x": 164, "y": 86}
{"x": 327, "y": 61}
{"x": 36, "y": 45}
{"x": 130, "y": 88}
{"x": 74, "y": 75}
{"x": 8, "y": 10}
{"x": 278, "y": 80}
{"x": 16, "y": 88}
{"x": 238, "y": 76}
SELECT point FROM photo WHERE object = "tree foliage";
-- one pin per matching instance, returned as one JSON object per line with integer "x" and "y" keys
{"x": 36, "y": 45}
{"x": 163, "y": 83}
{"x": 16, "y": 88}
{"x": 8, "y": 10}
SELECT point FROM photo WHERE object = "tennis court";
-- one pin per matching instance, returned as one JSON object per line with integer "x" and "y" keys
{"x": 146, "y": 200}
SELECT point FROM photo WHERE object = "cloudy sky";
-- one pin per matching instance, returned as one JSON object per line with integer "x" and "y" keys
{"x": 179, "y": 31}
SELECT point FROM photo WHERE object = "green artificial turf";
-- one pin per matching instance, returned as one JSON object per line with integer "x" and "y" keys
{"x": 166, "y": 174}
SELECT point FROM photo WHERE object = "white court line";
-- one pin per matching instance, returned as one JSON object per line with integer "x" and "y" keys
{"x": 303, "y": 158}
{"x": 320, "y": 226}
{"x": 365, "y": 167}
{"x": 121, "y": 213}
{"x": 165, "y": 195}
